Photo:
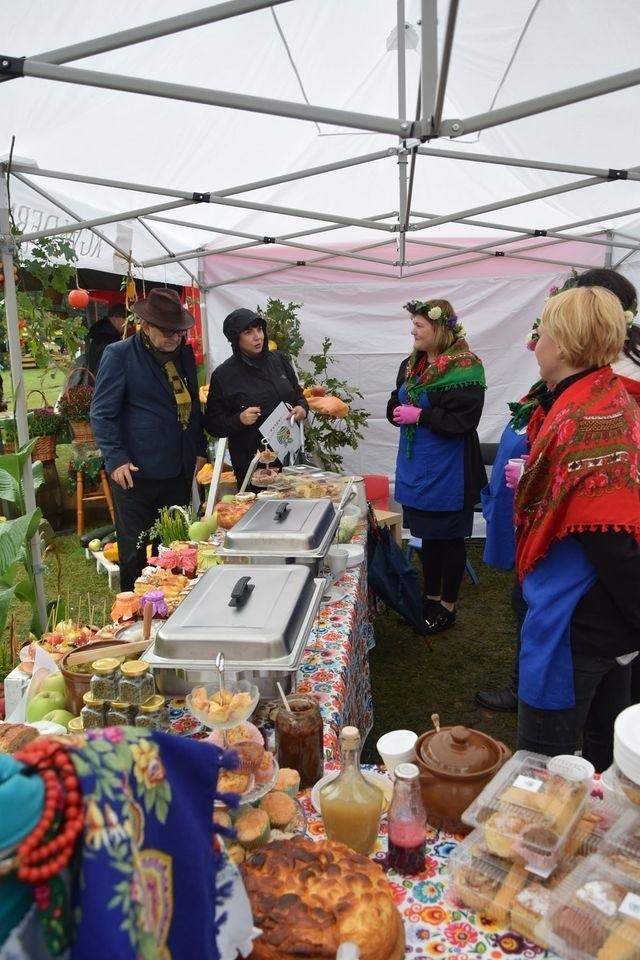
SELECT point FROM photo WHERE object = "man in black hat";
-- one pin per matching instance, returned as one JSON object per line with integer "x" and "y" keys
{"x": 102, "y": 333}
{"x": 246, "y": 389}
{"x": 147, "y": 421}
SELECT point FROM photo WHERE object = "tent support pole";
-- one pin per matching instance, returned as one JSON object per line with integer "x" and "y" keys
{"x": 7, "y": 245}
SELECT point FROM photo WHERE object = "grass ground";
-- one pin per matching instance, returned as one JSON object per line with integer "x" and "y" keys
{"x": 410, "y": 681}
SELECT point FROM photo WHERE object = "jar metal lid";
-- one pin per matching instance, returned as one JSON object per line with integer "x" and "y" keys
{"x": 134, "y": 668}
{"x": 75, "y": 725}
{"x": 91, "y": 701}
{"x": 106, "y": 665}
{"x": 119, "y": 705}
{"x": 152, "y": 703}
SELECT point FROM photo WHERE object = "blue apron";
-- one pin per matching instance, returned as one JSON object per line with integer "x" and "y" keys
{"x": 552, "y": 591}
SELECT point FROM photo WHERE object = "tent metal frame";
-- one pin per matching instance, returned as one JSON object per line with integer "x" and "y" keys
{"x": 412, "y": 135}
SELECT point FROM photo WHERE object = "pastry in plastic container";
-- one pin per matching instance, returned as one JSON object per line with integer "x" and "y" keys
{"x": 599, "y": 817}
{"x": 621, "y": 845}
{"x": 485, "y": 883}
{"x": 594, "y": 913}
{"x": 527, "y": 812}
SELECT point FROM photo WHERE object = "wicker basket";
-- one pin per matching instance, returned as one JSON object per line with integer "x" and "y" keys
{"x": 45, "y": 448}
{"x": 81, "y": 430}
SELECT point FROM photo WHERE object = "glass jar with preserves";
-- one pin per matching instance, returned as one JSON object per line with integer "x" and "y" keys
{"x": 93, "y": 712}
{"x": 104, "y": 680}
{"x": 299, "y": 738}
{"x": 136, "y": 682}
{"x": 153, "y": 714}
{"x": 120, "y": 714}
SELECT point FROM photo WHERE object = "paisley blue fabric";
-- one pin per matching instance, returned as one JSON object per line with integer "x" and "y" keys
{"x": 551, "y": 592}
{"x": 146, "y": 885}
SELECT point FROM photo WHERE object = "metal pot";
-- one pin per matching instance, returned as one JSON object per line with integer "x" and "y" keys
{"x": 455, "y": 764}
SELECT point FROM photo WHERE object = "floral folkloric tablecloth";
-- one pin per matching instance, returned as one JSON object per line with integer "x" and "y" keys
{"x": 435, "y": 922}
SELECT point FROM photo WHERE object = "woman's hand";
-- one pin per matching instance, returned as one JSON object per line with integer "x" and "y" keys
{"x": 249, "y": 415}
{"x": 406, "y": 415}
{"x": 513, "y": 470}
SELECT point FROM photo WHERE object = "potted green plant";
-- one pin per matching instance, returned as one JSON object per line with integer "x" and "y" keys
{"x": 74, "y": 406}
{"x": 45, "y": 426}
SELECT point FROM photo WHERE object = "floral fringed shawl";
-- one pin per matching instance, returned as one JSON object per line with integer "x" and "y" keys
{"x": 458, "y": 367}
{"x": 582, "y": 472}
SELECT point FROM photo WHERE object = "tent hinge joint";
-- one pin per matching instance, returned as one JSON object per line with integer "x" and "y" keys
{"x": 8, "y": 244}
{"x": 499, "y": 253}
{"x": 201, "y": 197}
{"x": 268, "y": 239}
{"x": 540, "y": 233}
{"x": 617, "y": 174}
{"x": 12, "y": 66}
{"x": 301, "y": 263}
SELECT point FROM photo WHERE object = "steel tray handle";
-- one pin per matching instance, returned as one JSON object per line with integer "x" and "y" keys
{"x": 281, "y": 511}
{"x": 241, "y": 592}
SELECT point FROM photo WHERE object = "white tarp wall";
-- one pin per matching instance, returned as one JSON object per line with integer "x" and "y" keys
{"x": 370, "y": 333}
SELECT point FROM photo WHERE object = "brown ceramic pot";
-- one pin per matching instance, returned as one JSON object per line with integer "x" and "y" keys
{"x": 455, "y": 764}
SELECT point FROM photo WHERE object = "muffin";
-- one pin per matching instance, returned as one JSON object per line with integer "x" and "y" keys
{"x": 288, "y": 781}
{"x": 280, "y": 808}
{"x": 253, "y": 829}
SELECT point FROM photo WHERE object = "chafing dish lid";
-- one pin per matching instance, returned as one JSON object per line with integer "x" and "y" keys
{"x": 283, "y": 527}
{"x": 247, "y": 612}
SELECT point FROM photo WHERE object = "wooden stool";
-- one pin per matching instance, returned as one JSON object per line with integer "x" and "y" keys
{"x": 388, "y": 518}
{"x": 82, "y": 498}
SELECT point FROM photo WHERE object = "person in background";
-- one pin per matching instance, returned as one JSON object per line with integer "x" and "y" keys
{"x": 105, "y": 331}
{"x": 147, "y": 420}
{"x": 497, "y": 497}
{"x": 577, "y": 518}
{"x": 247, "y": 387}
{"x": 437, "y": 404}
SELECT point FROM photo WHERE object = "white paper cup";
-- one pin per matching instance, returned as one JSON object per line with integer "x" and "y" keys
{"x": 397, "y": 746}
{"x": 571, "y": 767}
{"x": 336, "y": 560}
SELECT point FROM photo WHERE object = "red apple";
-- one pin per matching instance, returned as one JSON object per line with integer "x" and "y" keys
{"x": 318, "y": 391}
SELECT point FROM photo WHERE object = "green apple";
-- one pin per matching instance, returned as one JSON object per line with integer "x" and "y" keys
{"x": 59, "y": 716}
{"x": 95, "y": 545}
{"x": 43, "y": 703}
{"x": 228, "y": 498}
{"x": 54, "y": 681}
{"x": 211, "y": 522}
{"x": 198, "y": 531}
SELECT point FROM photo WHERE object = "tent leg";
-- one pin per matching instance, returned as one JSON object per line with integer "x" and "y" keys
{"x": 7, "y": 246}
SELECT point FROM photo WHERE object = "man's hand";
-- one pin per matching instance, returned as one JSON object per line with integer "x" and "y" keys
{"x": 200, "y": 462}
{"x": 122, "y": 475}
{"x": 298, "y": 413}
{"x": 406, "y": 415}
{"x": 249, "y": 415}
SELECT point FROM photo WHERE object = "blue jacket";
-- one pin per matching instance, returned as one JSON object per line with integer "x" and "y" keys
{"x": 134, "y": 415}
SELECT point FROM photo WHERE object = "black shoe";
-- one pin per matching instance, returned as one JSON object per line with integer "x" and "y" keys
{"x": 440, "y": 620}
{"x": 430, "y": 608}
{"x": 505, "y": 701}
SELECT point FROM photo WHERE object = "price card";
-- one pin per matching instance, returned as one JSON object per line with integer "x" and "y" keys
{"x": 532, "y": 784}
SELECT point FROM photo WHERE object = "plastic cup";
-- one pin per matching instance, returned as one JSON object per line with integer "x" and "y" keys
{"x": 337, "y": 558}
{"x": 570, "y": 767}
{"x": 397, "y": 746}
{"x": 517, "y": 462}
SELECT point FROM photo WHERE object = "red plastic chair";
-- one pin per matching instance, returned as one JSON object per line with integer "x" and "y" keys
{"x": 376, "y": 490}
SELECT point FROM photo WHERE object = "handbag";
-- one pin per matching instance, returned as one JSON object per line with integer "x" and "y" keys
{"x": 392, "y": 576}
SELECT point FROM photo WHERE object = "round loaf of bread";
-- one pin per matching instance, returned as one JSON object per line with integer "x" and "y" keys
{"x": 309, "y": 897}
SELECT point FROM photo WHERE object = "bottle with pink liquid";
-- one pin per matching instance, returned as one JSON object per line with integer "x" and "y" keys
{"x": 407, "y": 821}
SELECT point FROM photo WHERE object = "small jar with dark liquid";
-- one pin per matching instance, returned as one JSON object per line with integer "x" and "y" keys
{"x": 407, "y": 821}
{"x": 299, "y": 740}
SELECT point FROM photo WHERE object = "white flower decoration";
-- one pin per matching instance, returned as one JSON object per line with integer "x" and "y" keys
{"x": 435, "y": 313}
{"x": 628, "y": 317}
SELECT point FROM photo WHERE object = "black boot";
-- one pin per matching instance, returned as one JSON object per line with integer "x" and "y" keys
{"x": 430, "y": 608}
{"x": 504, "y": 701}
{"x": 440, "y": 620}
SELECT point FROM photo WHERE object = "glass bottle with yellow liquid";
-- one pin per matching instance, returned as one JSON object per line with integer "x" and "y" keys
{"x": 351, "y": 807}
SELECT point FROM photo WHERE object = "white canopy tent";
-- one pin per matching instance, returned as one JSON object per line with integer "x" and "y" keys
{"x": 344, "y": 154}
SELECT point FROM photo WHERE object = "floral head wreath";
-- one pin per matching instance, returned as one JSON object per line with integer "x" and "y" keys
{"x": 437, "y": 315}
{"x": 569, "y": 284}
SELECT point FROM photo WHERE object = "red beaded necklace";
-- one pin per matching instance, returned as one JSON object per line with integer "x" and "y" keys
{"x": 48, "y": 849}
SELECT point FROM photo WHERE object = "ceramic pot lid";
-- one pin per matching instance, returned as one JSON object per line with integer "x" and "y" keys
{"x": 459, "y": 750}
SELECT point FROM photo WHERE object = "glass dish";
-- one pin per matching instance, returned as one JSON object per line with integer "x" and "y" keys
{"x": 234, "y": 714}
{"x": 258, "y": 790}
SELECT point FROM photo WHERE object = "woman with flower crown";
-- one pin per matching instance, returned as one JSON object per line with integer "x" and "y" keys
{"x": 437, "y": 404}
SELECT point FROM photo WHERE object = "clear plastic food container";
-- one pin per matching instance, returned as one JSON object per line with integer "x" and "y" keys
{"x": 594, "y": 913}
{"x": 528, "y": 813}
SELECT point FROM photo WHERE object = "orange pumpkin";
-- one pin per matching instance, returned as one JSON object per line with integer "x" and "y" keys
{"x": 78, "y": 299}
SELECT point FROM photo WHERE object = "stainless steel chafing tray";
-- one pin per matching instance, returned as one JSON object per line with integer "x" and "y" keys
{"x": 259, "y": 617}
{"x": 300, "y": 529}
